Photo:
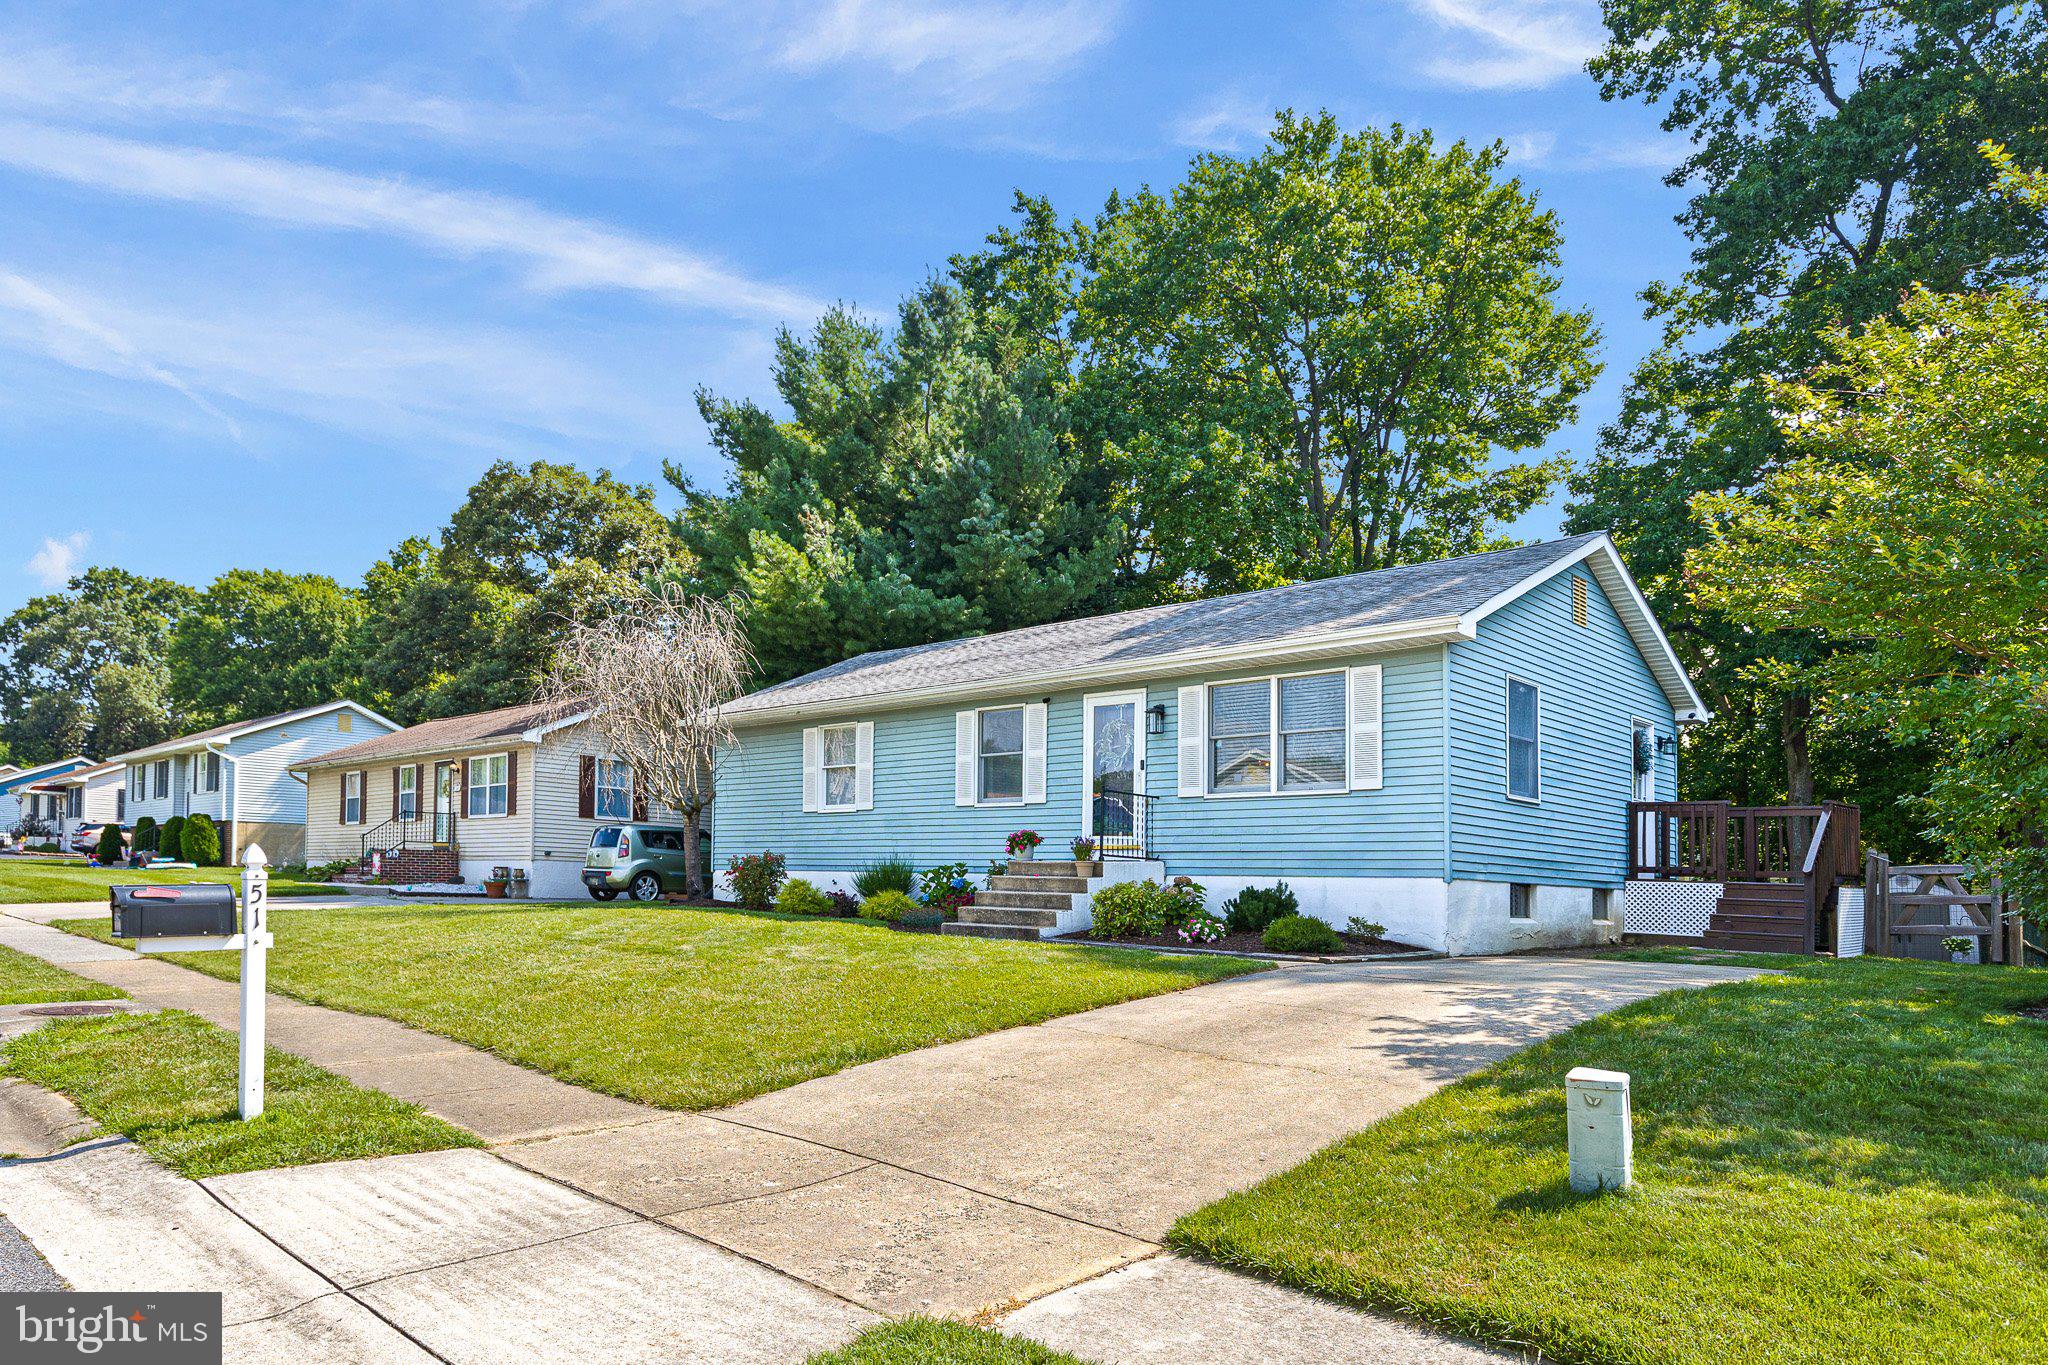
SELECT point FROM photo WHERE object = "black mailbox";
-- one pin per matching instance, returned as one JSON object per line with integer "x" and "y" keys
{"x": 205, "y": 911}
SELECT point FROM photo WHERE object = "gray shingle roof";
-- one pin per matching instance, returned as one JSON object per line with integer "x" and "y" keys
{"x": 1382, "y": 597}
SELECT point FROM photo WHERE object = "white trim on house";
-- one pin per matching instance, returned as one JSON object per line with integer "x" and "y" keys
{"x": 968, "y": 788}
{"x": 1136, "y": 701}
{"x": 1629, "y": 604}
{"x": 1600, "y": 555}
{"x": 541, "y": 732}
{"x": 1507, "y": 736}
{"x": 192, "y": 743}
{"x": 470, "y": 785}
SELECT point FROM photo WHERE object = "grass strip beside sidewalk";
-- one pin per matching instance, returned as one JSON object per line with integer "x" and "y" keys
{"x": 26, "y": 881}
{"x": 1837, "y": 1161}
{"x": 26, "y": 980}
{"x": 684, "y": 1008}
{"x": 168, "y": 1081}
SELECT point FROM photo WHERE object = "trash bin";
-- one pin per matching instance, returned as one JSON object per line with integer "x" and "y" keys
{"x": 200, "y": 911}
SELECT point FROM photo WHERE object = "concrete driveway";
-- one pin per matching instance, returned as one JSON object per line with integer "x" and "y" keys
{"x": 975, "y": 1176}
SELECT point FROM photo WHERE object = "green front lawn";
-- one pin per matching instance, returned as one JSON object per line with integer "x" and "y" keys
{"x": 925, "y": 1341}
{"x": 34, "y": 881}
{"x": 26, "y": 980}
{"x": 688, "y": 1009}
{"x": 1836, "y": 1162}
{"x": 168, "y": 1081}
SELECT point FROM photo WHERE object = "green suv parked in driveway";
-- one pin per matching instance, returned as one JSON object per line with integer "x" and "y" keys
{"x": 641, "y": 860}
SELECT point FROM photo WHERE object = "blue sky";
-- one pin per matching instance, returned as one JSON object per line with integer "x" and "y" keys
{"x": 277, "y": 281}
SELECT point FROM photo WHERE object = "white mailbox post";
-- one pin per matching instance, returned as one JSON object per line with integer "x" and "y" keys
{"x": 1600, "y": 1138}
{"x": 255, "y": 942}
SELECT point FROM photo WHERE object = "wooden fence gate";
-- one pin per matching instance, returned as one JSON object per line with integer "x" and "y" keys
{"x": 1909, "y": 909}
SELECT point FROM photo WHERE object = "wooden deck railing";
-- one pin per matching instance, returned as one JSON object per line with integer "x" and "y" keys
{"x": 1718, "y": 841}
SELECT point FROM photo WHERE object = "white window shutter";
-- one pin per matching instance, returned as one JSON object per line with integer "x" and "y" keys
{"x": 1034, "y": 753}
{"x": 864, "y": 765}
{"x": 814, "y": 771}
{"x": 1366, "y": 731}
{"x": 963, "y": 758}
{"x": 1193, "y": 715}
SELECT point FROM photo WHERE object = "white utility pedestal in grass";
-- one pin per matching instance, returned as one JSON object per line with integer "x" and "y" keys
{"x": 1601, "y": 1140}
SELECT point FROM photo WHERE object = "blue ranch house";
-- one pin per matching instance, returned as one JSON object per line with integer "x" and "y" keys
{"x": 1448, "y": 749}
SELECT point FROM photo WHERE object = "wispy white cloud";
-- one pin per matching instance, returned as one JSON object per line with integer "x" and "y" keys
{"x": 76, "y": 336}
{"x": 557, "y": 251}
{"x": 105, "y": 90}
{"x": 56, "y": 562}
{"x": 1227, "y": 123}
{"x": 953, "y": 55}
{"x": 1510, "y": 44}
{"x": 352, "y": 366}
{"x": 1542, "y": 148}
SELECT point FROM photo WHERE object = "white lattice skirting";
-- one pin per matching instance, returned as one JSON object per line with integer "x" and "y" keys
{"x": 1849, "y": 922}
{"x": 1680, "y": 908}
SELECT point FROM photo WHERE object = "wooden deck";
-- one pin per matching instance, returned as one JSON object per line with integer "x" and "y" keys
{"x": 1779, "y": 866}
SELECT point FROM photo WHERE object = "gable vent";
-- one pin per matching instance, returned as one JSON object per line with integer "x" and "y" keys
{"x": 1579, "y": 607}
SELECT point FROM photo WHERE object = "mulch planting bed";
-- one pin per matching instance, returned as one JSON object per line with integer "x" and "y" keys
{"x": 2039, "y": 1011}
{"x": 1252, "y": 943}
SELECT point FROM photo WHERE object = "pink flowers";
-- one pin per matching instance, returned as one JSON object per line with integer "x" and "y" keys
{"x": 1023, "y": 841}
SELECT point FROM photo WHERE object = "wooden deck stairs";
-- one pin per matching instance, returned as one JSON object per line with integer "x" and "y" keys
{"x": 1761, "y": 917}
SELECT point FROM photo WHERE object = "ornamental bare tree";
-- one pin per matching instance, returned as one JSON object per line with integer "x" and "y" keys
{"x": 654, "y": 674}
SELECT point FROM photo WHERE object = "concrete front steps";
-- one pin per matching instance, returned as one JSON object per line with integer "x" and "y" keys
{"x": 1034, "y": 899}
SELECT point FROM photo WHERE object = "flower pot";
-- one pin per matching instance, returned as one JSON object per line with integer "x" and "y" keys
{"x": 1026, "y": 854}
{"x": 495, "y": 890}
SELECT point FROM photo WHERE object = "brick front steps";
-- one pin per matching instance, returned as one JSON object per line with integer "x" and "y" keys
{"x": 1034, "y": 899}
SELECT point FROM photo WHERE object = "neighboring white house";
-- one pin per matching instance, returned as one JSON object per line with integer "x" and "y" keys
{"x": 448, "y": 800}
{"x": 18, "y": 803}
{"x": 240, "y": 774}
{"x": 85, "y": 796}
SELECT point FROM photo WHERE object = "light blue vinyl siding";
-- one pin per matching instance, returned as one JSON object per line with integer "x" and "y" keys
{"x": 1395, "y": 831}
{"x": 1593, "y": 684}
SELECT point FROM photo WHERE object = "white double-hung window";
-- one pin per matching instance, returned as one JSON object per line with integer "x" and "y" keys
{"x": 1001, "y": 754}
{"x": 351, "y": 798}
{"x": 488, "y": 788}
{"x": 614, "y": 789}
{"x": 1282, "y": 735}
{"x": 1525, "y": 746}
{"x": 409, "y": 791}
{"x": 839, "y": 761}
{"x": 1278, "y": 734}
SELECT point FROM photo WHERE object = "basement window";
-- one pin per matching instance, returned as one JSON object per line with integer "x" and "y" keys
{"x": 1521, "y": 897}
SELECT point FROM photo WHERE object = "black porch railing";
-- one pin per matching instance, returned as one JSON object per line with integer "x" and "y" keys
{"x": 1123, "y": 824}
{"x": 432, "y": 830}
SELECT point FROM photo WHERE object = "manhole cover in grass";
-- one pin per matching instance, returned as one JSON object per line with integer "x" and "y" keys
{"x": 62, "y": 1011}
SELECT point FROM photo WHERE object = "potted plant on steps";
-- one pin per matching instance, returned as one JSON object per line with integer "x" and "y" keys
{"x": 1023, "y": 844}
{"x": 1083, "y": 849}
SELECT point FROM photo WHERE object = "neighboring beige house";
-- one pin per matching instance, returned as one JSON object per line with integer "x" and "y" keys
{"x": 522, "y": 787}
{"x": 240, "y": 774}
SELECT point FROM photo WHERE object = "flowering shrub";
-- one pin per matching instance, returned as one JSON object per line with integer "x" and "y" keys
{"x": 1200, "y": 927}
{"x": 756, "y": 877}
{"x": 944, "y": 888}
{"x": 1023, "y": 841}
{"x": 1183, "y": 901}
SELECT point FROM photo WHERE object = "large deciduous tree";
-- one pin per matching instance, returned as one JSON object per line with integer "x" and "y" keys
{"x": 468, "y": 621}
{"x": 260, "y": 641}
{"x": 653, "y": 674}
{"x": 1909, "y": 532}
{"x": 1834, "y": 166}
{"x": 53, "y": 647}
{"x": 1361, "y": 323}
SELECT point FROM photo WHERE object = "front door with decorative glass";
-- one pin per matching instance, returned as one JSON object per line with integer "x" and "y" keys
{"x": 1112, "y": 737}
{"x": 444, "y": 803}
